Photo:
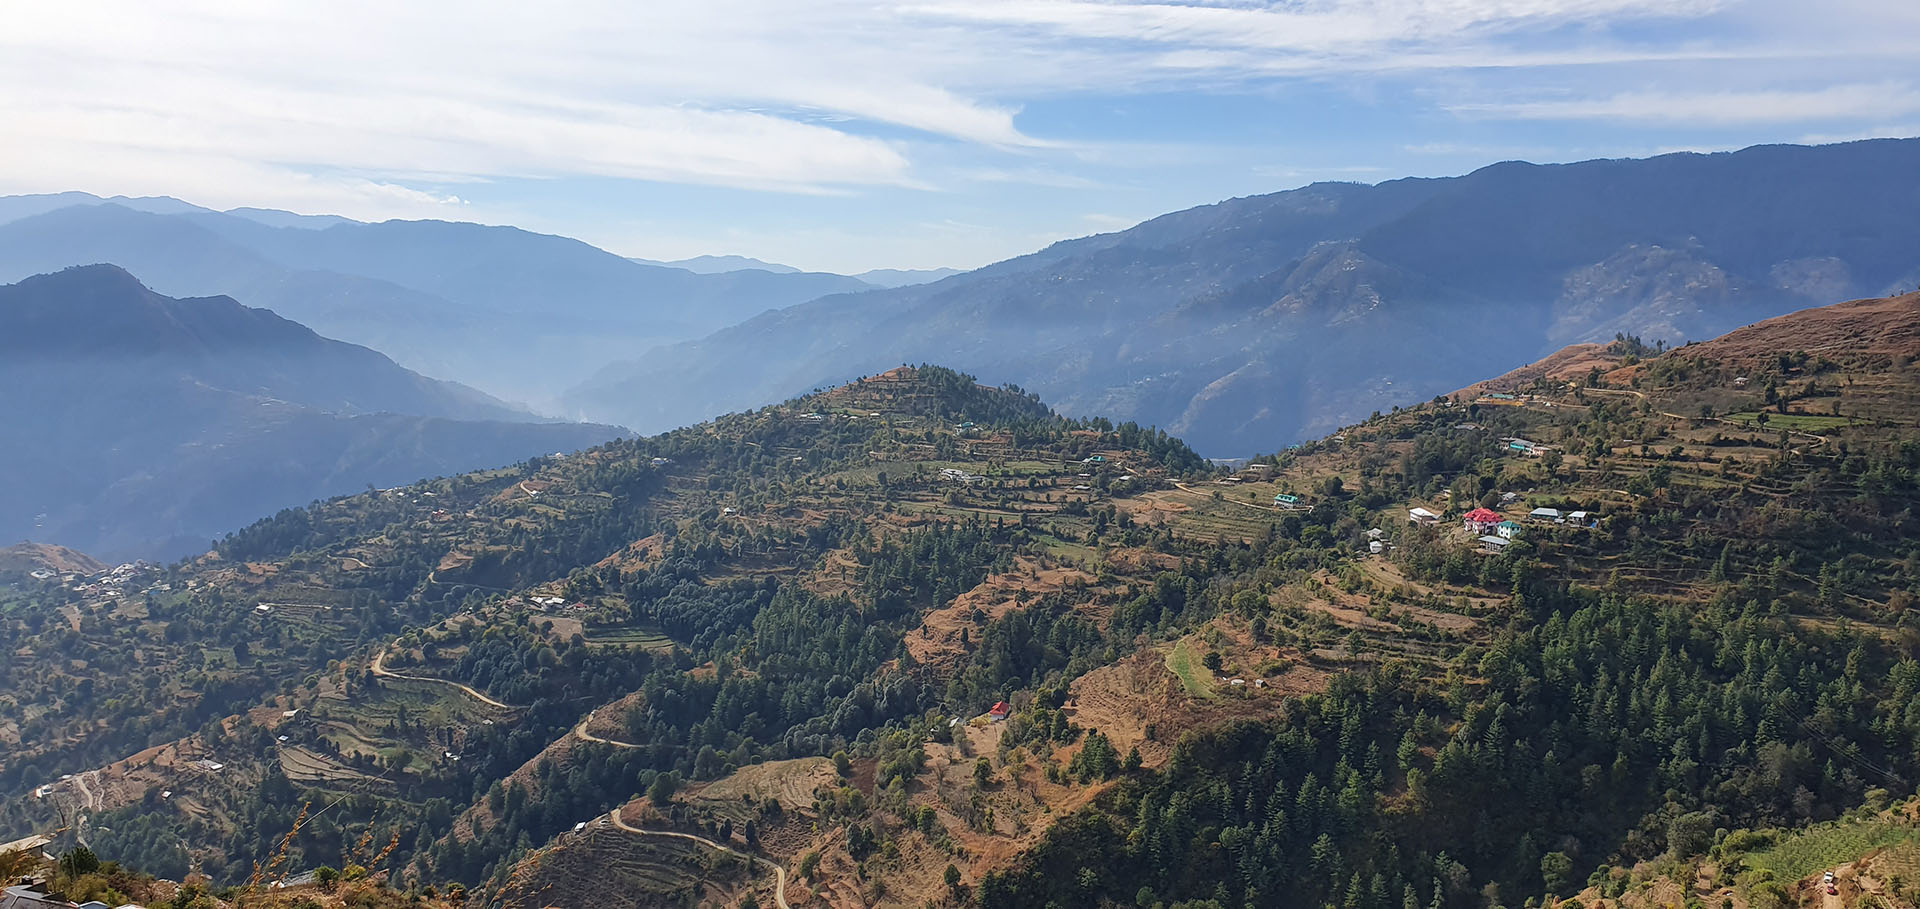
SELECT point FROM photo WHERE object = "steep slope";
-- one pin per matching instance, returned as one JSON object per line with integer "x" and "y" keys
{"x": 147, "y": 424}
{"x": 1260, "y": 321}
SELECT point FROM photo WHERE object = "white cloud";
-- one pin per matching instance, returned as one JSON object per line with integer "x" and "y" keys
{"x": 1309, "y": 26}
{"x": 374, "y": 108}
{"x": 1837, "y": 102}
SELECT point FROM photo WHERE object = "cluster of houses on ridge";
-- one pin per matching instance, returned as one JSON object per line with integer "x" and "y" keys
{"x": 1495, "y": 531}
{"x": 549, "y": 603}
{"x": 113, "y": 582}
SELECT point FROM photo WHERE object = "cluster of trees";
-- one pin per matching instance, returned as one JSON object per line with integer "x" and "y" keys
{"x": 1603, "y": 725}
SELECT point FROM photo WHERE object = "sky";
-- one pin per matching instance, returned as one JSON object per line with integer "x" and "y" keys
{"x": 842, "y": 135}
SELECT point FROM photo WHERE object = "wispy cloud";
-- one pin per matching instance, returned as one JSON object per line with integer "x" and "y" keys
{"x": 379, "y": 109}
{"x": 1837, "y": 102}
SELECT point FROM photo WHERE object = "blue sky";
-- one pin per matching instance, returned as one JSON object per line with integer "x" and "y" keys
{"x": 851, "y": 134}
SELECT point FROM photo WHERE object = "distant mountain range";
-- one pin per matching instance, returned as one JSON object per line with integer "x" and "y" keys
{"x": 1260, "y": 321}
{"x": 714, "y": 265}
{"x": 519, "y": 314}
{"x": 879, "y": 277}
{"x": 142, "y": 425}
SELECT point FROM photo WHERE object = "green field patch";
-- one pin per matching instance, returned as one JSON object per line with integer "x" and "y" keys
{"x": 1197, "y": 679}
{"x": 1797, "y": 855}
{"x": 646, "y": 638}
{"x": 1804, "y": 422}
{"x": 1066, "y": 550}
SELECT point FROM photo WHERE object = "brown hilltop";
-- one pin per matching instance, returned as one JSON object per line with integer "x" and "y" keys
{"x": 1878, "y": 327}
{"x": 32, "y": 556}
{"x": 1564, "y": 364}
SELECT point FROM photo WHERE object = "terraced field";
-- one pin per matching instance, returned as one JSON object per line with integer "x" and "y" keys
{"x": 1816, "y": 849}
{"x": 602, "y": 866}
{"x": 304, "y": 765}
{"x": 645, "y": 638}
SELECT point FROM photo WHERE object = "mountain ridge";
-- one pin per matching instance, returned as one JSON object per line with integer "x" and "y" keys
{"x": 155, "y": 423}
{"x": 1246, "y": 324}
{"x": 519, "y": 314}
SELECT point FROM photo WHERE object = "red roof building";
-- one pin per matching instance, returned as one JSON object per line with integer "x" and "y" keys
{"x": 1481, "y": 519}
{"x": 1000, "y": 710}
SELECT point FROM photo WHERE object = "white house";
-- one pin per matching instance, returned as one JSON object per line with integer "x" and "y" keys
{"x": 1419, "y": 515}
{"x": 1544, "y": 514}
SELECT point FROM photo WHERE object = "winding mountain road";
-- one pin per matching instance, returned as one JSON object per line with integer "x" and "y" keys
{"x": 580, "y": 731}
{"x": 380, "y": 669}
{"x": 779, "y": 873}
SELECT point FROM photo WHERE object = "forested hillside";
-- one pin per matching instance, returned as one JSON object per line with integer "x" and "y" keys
{"x": 1633, "y": 627}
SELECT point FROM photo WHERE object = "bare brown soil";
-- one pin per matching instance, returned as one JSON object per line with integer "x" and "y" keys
{"x": 1881, "y": 327}
{"x": 34, "y": 556}
{"x": 937, "y": 641}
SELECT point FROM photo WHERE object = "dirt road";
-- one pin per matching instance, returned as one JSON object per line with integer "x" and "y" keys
{"x": 1224, "y": 498}
{"x": 779, "y": 873}
{"x": 580, "y": 730}
{"x": 380, "y": 669}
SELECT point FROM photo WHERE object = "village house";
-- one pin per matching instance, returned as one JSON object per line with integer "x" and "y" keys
{"x": 1581, "y": 518}
{"x": 1492, "y": 543}
{"x": 1482, "y": 520}
{"x": 1507, "y": 529}
{"x": 1419, "y": 515}
{"x": 1286, "y": 500}
{"x": 999, "y": 711}
{"x": 1523, "y": 446}
{"x": 1544, "y": 515}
